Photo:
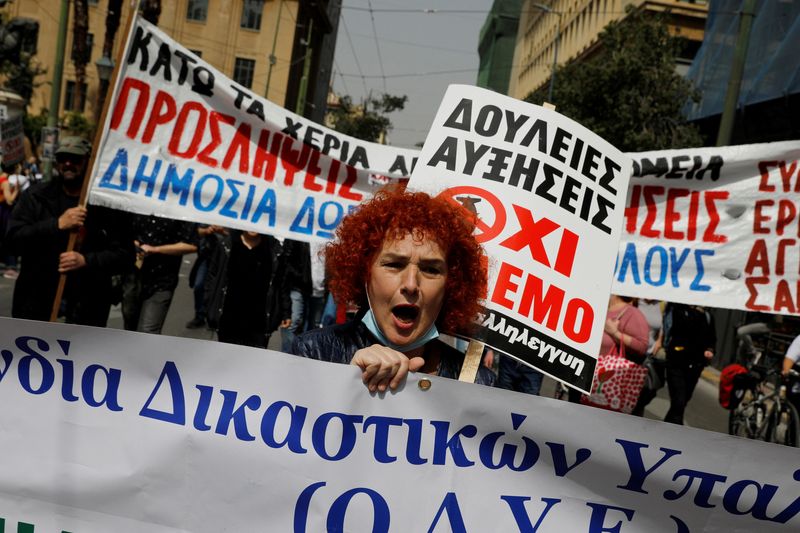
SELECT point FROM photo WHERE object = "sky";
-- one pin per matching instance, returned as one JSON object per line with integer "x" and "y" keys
{"x": 408, "y": 52}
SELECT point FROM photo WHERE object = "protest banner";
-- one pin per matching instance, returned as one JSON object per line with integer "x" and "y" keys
{"x": 106, "y": 430}
{"x": 549, "y": 195}
{"x": 183, "y": 141}
{"x": 12, "y": 146}
{"x": 714, "y": 226}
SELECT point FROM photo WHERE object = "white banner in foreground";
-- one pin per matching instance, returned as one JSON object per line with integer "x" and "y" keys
{"x": 105, "y": 430}
{"x": 550, "y": 198}
{"x": 714, "y": 226}
{"x": 183, "y": 141}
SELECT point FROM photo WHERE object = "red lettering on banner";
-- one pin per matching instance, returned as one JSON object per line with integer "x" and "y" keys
{"x": 164, "y": 110}
{"x": 758, "y": 258}
{"x": 759, "y": 218}
{"x": 312, "y": 172}
{"x": 531, "y": 233}
{"x": 781, "y": 261}
{"x": 239, "y": 147}
{"x": 293, "y": 160}
{"x": 672, "y": 214}
{"x": 763, "y": 169}
{"x": 650, "y": 203}
{"x": 786, "y": 176}
{"x": 787, "y": 213}
{"x": 713, "y": 216}
{"x": 266, "y": 160}
{"x": 783, "y": 297}
{"x": 751, "y": 284}
{"x": 543, "y": 305}
{"x": 346, "y": 190}
{"x": 333, "y": 176}
{"x": 784, "y": 301}
{"x": 139, "y": 110}
{"x": 632, "y": 210}
{"x": 194, "y": 121}
{"x": 694, "y": 207}
{"x": 214, "y": 118}
{"x": 787, "y": 173}
{"x": 180, "y": 126}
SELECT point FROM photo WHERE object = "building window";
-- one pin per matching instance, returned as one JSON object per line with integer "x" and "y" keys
{"x": 197, "y": 10}
{"x": 88, "y": 56}
{"x": 251, "y": 14}
{"x": 243, "y": 72}
{"x": 69, "y": 97}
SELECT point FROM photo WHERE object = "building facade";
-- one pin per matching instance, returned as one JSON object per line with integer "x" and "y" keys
{"x": 260, "y": 44}
{"x": 496, "y": 46}
{"x": 568, "y": 30}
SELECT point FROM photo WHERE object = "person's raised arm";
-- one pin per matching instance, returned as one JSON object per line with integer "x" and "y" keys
{"x": 176, "y": 248}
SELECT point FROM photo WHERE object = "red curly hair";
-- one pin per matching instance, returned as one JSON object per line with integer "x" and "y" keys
{"x": 394, "y": 213}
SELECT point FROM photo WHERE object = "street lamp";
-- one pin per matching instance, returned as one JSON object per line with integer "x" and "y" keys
{"x": 549, "y": 10}
{"x": 105, "y": 68}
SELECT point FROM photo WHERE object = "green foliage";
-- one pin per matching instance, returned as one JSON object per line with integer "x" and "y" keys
{"x": 18, "y": 76}
{"x": 33, "y": 124}
{"x": 74, "y": 123}
{"x": 21, "y": 78}
{"x": 630, "y": 93}
{"x": 368, "y": 120}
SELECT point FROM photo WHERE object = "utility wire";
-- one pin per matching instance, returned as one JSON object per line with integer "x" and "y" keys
{"x": 339, "y": 72}
{"x": 377, "y": 45}
{"x": 353, "y": 48}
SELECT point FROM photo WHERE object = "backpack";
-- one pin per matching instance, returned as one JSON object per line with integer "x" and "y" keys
{"x": 728, "y": 397}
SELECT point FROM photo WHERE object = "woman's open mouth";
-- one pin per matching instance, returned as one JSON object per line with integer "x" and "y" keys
{"x": 405, "y": 314}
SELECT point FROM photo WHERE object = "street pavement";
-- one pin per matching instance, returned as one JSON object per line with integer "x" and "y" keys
{"x": 703, "y": 412}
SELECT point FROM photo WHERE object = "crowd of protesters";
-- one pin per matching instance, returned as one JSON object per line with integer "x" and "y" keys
{"x": 403, "y": 263}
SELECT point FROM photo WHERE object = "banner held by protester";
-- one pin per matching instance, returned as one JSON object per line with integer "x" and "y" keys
{"x": 714, "y": 226}
{"x": 185, "y": 142}
{"x": 107, "y": 430}
{"x": 549, "y": 195}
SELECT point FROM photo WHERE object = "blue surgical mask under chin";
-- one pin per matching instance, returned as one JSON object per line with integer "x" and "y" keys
{"x": 372, "y": 326}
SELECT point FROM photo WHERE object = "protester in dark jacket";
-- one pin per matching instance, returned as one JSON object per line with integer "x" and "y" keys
{"x": 298, "y": 282}
{"x": 161, "y": 244}
{"x": 411, "y": 263}
{"x": 246, "y": 298}
{"x": 39, "y": 231}
{"x": 689, "y": 338}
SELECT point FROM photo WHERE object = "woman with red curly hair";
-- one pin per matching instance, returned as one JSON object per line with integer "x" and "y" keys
{"x": 412, "y": 265}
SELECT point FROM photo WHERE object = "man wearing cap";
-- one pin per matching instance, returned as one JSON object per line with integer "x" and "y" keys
{"x": 39, "y": 231}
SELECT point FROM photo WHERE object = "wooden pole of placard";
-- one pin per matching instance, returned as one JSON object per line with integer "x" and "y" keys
{"x": 472, "y": 359}
{"x": 73, "y": 236}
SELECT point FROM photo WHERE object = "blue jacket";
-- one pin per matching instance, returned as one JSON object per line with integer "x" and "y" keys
{"x": 338, "y": 344}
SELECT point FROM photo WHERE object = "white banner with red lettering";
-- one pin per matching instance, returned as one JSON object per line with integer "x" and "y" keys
{"x": 183, "y": 141}
{"x": 550, "y": 197}
{"x": 12, "y": 136}
{"x": 714, "y": 226}
{"x": 113, "y": 431}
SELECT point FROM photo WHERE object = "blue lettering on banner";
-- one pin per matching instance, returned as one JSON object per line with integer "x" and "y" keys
{"x": 207, "y": 192}
{"x": 661, "y": 263}
{"x": 39, "y": 367}
{"x": 329, "y": 215}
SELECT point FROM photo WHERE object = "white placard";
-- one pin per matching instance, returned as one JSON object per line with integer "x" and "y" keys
{"x": 549, "y": 195}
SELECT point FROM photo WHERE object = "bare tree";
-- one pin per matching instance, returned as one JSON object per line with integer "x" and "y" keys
{"x": 80, "y": 49}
